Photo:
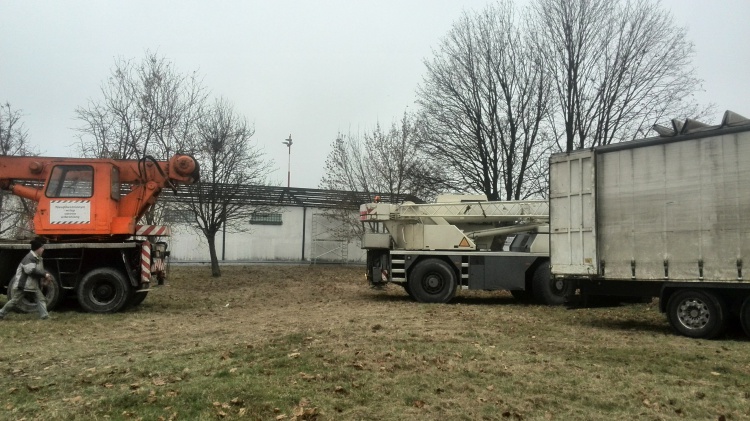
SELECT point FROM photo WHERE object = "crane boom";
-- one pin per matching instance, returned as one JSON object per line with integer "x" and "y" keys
{"x": 81, "y": 197}
{"x": 453, "y": 225}
{"x": 466, "y": 212}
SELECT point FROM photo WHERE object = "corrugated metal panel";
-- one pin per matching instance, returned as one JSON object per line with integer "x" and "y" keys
{"x": 675, "y": 211}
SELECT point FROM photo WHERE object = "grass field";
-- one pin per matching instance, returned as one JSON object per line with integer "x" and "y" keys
{"x": 315, "y": 343}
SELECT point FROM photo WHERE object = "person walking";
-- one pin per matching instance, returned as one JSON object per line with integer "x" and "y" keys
{"x": 30, "y": 277}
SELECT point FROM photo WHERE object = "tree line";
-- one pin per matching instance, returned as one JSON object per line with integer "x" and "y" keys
{"x": 504, "y": 88}
{"x": 508, "y": 85}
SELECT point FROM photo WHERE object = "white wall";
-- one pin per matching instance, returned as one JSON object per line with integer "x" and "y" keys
{"x": 268, "y": 242}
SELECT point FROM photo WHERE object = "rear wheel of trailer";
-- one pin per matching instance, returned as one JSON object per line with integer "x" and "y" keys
{"x": 697, "y": 313}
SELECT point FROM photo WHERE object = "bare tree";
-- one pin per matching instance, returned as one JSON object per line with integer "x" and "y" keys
{"x": 15, "y": 213}
{"x": 617, "y": 67}
{"x": 484, "y": 100}
{"x": 384, "y": 161}
{"x": 222, "y": 146}
{"x": 147, "y": 108}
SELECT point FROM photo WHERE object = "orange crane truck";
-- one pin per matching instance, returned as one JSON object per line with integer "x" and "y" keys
{"x": 89, "y": 211}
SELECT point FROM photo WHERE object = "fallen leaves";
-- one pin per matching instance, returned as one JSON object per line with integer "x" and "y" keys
{"x": 310, "y": 377}
{"x": 224, "y": 409}
{"x": 304, "y": 412}
{"x": 74, "y": 400}
{"x": 420, "y": 360}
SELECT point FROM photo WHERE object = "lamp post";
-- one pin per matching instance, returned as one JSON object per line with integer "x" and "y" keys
{"x": 288, "y": 143}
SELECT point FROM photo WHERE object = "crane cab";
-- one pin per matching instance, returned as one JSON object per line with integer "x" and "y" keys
{"x": 82, "y": 199}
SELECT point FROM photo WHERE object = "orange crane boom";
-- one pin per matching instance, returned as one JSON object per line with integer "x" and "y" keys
{"x": 82, "y": 197}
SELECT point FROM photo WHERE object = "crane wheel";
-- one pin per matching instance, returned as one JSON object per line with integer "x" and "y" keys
{"x": 104, "y": 290}
{"x": 549, "y": 291}
{"x": 52, "y": 292}
{"x": 432, "y": 281}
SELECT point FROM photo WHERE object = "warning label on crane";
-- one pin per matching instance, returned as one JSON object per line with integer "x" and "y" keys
{"x": 70, "y": 212}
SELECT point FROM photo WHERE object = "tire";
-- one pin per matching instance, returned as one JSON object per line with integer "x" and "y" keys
{"x": 405, "y": 285}
{"x": 521, "y": 295}
{"x": 549, "y": 291}
{"x": 745, "y": 316}
{"x": 104, "y": 290}
{"x": 432, "y": 281}
{"x": 53, "y": 292}
{"x": 696, "y": 314}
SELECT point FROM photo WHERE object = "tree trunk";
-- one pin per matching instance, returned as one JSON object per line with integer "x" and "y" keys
{"x": 215, "y": 270}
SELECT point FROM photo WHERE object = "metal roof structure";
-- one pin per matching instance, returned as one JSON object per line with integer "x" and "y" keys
{"x": 681, "y": 131}
{"x": 283, "y": 196}
{"x": 730, "y": 119}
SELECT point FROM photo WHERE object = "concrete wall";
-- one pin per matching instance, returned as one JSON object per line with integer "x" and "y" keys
{"x": 270, "y": 242}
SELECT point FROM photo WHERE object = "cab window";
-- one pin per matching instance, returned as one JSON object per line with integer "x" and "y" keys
{"x": 71, "y": 181}
{"x": 115, "y": 190}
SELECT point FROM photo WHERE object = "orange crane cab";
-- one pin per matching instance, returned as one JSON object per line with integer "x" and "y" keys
{"x": 83, "y": 198}
{"x": 90, "y": 210}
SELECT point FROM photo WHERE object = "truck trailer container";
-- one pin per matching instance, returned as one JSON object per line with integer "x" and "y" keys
{"x": 665, "y": 217}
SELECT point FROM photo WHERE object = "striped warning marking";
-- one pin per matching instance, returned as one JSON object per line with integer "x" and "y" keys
{"x": 145, "y": 262}
{"x": 156, "y": 230}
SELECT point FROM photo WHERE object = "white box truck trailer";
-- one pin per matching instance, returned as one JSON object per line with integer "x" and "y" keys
{"x": 666, "y": 217}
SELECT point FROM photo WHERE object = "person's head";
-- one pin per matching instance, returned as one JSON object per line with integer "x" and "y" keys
{"x": 37, "y": 245}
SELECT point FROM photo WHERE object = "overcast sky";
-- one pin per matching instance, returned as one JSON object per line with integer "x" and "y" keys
{"x": 311, "y": 69}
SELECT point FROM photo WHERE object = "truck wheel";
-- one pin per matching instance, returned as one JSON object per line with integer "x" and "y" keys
{"x": 53, "y": 293}
{"x": 521, "y": 294}
{"x": 103, "y": 290}
{"x": 696, "y": 314}
{"x": 745, "y": 316}
{"x": 549, "y": 291}
{"x": 432, "y": 281}
{"x": 406, "y": 288}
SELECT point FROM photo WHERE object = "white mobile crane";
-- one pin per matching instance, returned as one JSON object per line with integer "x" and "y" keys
{"x": 461, "y": 241}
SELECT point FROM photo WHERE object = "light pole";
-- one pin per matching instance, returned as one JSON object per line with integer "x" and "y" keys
{"x": 288, "y": 143}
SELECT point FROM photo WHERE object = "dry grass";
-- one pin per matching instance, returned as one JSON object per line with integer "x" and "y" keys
{"x": 313, "y": 342}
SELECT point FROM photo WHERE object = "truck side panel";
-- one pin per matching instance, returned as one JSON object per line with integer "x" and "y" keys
{"x": 672, "y": 210}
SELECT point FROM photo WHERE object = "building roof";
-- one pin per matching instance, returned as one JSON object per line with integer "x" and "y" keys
{"x": 283, "y": 196}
